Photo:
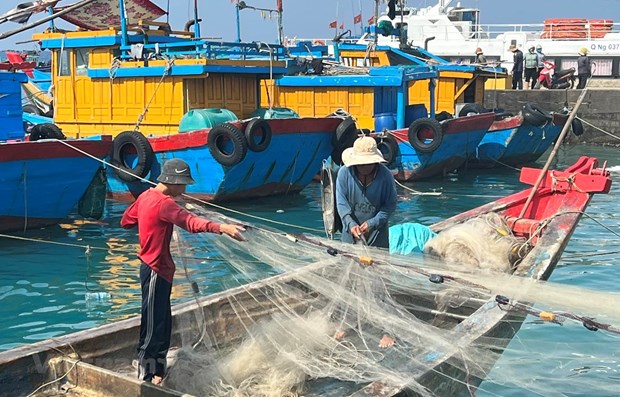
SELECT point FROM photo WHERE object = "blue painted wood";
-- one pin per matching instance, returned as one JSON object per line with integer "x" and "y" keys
{"x": 288, "y": 165}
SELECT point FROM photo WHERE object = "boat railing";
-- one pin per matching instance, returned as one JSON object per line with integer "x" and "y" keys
{"x": 211, "y": 49}
{"x": 553, "y": 29}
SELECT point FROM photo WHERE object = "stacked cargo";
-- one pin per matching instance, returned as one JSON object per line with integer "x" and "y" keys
{"x": 576, "y": 28}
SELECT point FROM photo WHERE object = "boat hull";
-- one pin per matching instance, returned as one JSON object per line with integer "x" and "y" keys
{"x": 41, "y": 182}
{"x": 461, "y": 137}
{"x": 289, "y": 163}
{"x": 514, "y": 142}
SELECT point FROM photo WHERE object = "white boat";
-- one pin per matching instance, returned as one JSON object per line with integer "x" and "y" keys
{"x": 454, "y": 33}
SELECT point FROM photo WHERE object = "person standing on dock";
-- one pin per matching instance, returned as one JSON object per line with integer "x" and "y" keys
{"x": 517, "y": 67}
{"x": 365, "y": 194}
{"x": 584, "y": 68}
{"x": 155, "y": 212}
{"x": 531, "y": 68}
{"x": 480, "y": 58}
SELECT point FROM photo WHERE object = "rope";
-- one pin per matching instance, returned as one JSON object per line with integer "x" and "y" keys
{"x": 167, "y": 69}
{"x": 418, "y": 192}
{"x": 185, "y": 195}
{"x": 599, "y": 129}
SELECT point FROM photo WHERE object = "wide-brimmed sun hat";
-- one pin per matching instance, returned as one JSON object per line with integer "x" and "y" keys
{"x": 364, "y": 151}
{"x": 176, "y": 172}
{"x": 512, "y": 48}
{"x": 583, "y": 51}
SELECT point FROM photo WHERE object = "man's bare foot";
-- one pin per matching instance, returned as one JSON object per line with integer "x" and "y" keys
{"x": 157, "y": 380}
{"x": 339, "y": 335}
{"x": 386, "y": 341}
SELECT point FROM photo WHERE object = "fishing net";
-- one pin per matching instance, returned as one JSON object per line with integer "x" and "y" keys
{"x": 315, "y": 327}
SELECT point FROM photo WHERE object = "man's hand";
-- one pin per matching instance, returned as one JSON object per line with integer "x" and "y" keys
{"x": 356, "y": 231}
{"x": 364, "y": 228}
{"x": 233, "y": 231}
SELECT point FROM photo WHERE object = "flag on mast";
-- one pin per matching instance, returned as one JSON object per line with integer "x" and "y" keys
{"x": 333, "y": 24}
{"x": 357, "y": 19}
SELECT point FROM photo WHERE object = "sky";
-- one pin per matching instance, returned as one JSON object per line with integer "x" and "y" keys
{"x": 311, "y": 18}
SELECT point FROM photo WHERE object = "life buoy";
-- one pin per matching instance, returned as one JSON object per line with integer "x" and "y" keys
{"x": 227, "y": 144}
{"x": 577, "y": 127}
{"x": 128, "y": 143}
{"x": 423, "y": 129}
{"x": 46, "y": 131}
{"x": 534, "y": 115}
{"x": 258, "y": 128}
{"x": 345, "y": 136}
{"x": 331, "y": 218}
{"x": 472, "y": 108}
{"x": 388, "y": 147}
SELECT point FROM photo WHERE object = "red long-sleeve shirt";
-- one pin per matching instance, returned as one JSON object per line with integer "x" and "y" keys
{"x": 156, "y": 214}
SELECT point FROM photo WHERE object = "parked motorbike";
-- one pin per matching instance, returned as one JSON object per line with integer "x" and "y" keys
{"x": 555, "y": 79}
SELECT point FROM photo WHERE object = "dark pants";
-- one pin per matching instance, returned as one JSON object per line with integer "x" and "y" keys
{"x": 583, "y": 79}
{"x": 531, "y": 75}
{"x": 155, "y": 324}
{"x": 517, "y": 80}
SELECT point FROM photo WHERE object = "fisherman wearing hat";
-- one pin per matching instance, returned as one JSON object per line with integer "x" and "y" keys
{"x": 584, "y": 68}
{"x": 365, "y": 194}
{"x": 517, "y": 67}
{"x": 155, "y": 212}
{"x": 480, "y": 58}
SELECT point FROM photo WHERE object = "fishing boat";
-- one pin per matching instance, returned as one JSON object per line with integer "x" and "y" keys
{"x": 43, "y": 180}
{"x": 98, "y": 361}
{"x": 165, "y": 93}
{"x": 399, "y": 103}
{"x": 454, "y": 33}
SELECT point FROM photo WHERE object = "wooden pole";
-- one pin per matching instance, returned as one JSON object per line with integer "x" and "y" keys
{"x": 46, "y": 19}
{"x": 554, "y": 151}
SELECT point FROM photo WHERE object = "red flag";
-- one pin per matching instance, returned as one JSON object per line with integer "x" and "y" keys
{"x": 357, "y": 19}
{"x": 342, "y": 26}
{"x": 333, "y": 24}
{"x": 371, "y": 20}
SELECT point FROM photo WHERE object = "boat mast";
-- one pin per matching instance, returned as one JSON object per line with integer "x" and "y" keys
{"x": 123, "y": 15}
{"x": 280, "y": 24}
{"x": 196, "y": 22}
{"x": 375, "y": 21}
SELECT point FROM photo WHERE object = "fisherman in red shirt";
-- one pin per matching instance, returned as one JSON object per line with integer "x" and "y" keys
{"x": 155, "y": 212}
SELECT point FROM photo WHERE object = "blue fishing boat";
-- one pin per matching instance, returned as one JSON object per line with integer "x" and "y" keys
{"x": 165, "y": 93}
{"x": 43, "y": 180}
{"x": 514, "y": 141}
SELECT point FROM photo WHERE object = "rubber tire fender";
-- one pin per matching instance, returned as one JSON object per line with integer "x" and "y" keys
{"x": 144, "y": 151}
{"x": 258, "y": 127}
{"x": 344, "y": 131}
{"x": 388, "y": 147}
{"x": 227, "y": 131}
{"x": 472, "y": 108}
{"x": 345, "y": 136}
{"x": 422, "y": 124}
{"x": 534, "y": 115}
{"x": 577, "y": 127}
{"x": 46, "y": 131}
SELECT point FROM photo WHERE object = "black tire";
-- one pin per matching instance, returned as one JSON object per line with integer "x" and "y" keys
{"x": 577, "y": 127}
{"x": 219, "y": 136}
{"x": 388, "y": 147}
{"x": 136, "y": 142}
{"x": 472, "y": 108}
{"x": 534, "y": 115}
{"x": 345, "y": 136}
{"x": 30, "y": 108}
{"x": 258, "y": 128}
{"x": 344, "y": 131}
{"x": 46, "y": 131}
{"x": 443, "y": 115}
{"x": 422, "y": 125}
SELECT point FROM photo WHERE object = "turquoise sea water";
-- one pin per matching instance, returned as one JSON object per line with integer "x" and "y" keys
{"x": 46, "y": 288}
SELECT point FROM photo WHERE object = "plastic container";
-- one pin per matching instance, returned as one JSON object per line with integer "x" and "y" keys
{"x": 11, "y": 106}
{"x": 200, "y": 119}
{"x": 414, "y": 112}
{"x": 275, "y": 113}
{"x": 385, "y": 121}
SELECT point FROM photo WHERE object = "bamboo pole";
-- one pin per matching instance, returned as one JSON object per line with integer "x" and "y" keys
{"x": 554, "y": 151}
{"x": 46, "y": 19}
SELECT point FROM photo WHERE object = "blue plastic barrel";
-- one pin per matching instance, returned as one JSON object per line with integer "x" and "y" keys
{"x": 414, "y": 112}
{"x": 385, "y": 121}
{"x": 200, "y": 119}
